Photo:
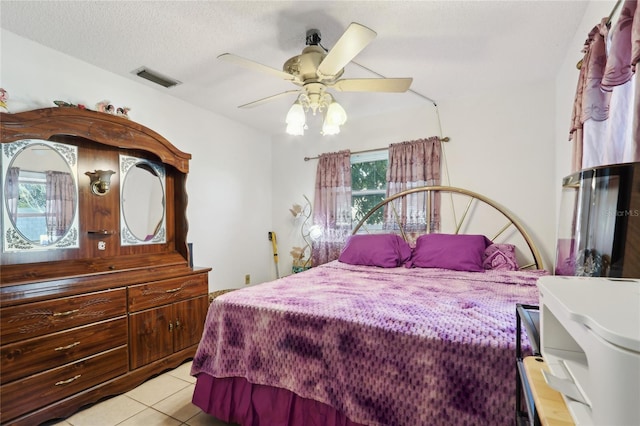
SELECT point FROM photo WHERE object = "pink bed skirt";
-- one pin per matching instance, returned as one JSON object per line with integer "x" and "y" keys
{"x": 236, "y": 400}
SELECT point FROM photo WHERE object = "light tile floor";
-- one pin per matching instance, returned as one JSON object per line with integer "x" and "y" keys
{"x": 164, "y": 400}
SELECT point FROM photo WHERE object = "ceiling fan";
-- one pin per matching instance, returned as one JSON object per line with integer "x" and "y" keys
{"x": 315, "y": 70}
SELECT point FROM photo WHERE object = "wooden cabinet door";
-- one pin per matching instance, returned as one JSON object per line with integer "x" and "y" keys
{"x": 150, "y": 335}
{"x": 189, "y": 317}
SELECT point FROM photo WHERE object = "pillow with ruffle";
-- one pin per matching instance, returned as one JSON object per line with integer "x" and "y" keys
{"x": 383, "y": 250}
{"x": 500, "y": 257}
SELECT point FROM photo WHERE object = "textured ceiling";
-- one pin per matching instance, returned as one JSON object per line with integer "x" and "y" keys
{"x": 450, "y": 48}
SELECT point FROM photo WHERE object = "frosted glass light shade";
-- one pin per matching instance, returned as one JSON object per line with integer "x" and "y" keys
{"x": 296, "y": 119}
{"x": 315, "y": 232}
{"x": 296, "y": 115}
{"x": 333, "y": 119}
{"x": 336, "y": 115}
{"x": 330, "y": 129}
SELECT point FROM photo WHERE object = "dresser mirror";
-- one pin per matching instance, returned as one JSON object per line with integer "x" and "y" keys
{"x": 142, "y": 202}
{"x": 39, "y": 196}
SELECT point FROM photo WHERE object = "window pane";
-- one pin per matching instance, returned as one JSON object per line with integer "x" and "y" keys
{"x": 361, "y": 206}
{"x": 32, "y": 201}
{"x": 368, "y": 185}
{"x": 32, "y": 197}
{"x": 370, "y": 175}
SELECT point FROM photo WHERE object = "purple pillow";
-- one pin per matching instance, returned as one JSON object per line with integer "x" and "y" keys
{"x": 384, "y": 250}
{"x": 500, "y": 257}
{"x": 447, "y": 251}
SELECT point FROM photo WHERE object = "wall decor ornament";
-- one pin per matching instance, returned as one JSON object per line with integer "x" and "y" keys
{"x": 108, "y": 108}
{"x": 302, "y": 255}
{"x": 3, "y": 100}
{"x": 69, "y": 105}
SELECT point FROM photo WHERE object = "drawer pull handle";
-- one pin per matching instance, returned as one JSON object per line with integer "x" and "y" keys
{"x": 64, "y": 348}
{"x": 178, "y": 324}
{"x": 64, "y": 314}
{"x": 64, "y": 382}
{"x": 173, "y": 290}
{"x": 170, "y": 326}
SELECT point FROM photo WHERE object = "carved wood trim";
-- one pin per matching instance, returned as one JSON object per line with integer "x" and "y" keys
{"x": 97, "y": 126}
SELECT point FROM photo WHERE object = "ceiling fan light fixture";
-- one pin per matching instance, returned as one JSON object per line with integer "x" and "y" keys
{"x": 335, "y": 117}
{"x": 330, "y": 129}
{"x": 317, "y": 69}
{"x": 296, "y": 119}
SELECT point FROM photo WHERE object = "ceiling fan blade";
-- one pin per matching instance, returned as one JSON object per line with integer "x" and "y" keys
{"x": 373, "y": 85}
{"x": 267, "y": 99}
{"x": 355, "y": 38}
{"x": 247, "y": 63}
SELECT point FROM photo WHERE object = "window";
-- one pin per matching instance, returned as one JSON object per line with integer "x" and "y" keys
{"x": 368, "y": 186}
{"x": 31, "y": 205}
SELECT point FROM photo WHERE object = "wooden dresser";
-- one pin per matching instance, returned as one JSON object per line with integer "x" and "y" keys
{"x": 93, "y": 313}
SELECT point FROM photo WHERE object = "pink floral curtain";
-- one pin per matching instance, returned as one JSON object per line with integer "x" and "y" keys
{"x": 605, "y": 124}
{"x": 332, "y": 205}
{"x": 12, "y": 187}
{"x": 413, "y": 164}
{"x": 59, "y": 210}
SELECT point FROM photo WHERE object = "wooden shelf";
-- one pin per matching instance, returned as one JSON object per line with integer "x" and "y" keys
{"x": 550, "y": 405}
{"x": 536, "y": 403}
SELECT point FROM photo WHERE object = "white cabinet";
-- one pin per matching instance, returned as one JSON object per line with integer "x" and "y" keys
{"x": 590, "y": 340}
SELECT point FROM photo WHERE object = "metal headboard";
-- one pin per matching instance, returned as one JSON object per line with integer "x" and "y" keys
{"x": 474, "y": 197}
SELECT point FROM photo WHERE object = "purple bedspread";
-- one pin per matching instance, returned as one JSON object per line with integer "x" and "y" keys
{"x": 384, "y": 346}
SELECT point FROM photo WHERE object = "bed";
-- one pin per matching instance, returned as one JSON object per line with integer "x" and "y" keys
{"x": 364, "y": 341}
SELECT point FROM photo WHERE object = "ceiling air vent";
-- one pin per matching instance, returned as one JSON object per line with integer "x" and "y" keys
{"x": 155, "y": 77}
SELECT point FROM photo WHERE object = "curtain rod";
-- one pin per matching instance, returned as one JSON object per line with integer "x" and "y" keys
{"x": 445, "y": 139}
{"x": 613, "y": 11}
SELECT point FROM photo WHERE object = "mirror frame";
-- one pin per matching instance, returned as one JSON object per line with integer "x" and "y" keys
{"x": 91, "y": 132}
{"x": 14, "y": 241}
{"x": 127, "y": 238}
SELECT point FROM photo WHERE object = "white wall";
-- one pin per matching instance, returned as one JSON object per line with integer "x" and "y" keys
{"x": 229, "y": 209}
{"x": 502, "y": 146}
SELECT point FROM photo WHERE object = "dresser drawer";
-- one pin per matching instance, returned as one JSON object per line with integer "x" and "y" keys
{"x": 30, "y": 393}
{"x": 31, "y": 356}
{"x": 145, "y": 296}
{"x": 36, "y": 319}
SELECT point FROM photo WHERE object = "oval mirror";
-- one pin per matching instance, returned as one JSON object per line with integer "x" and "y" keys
{"x": 40, "y": 195}
{"x": 142, "y": 201}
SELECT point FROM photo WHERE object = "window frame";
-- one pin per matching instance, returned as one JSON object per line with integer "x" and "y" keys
{"x": 368, "y": 157}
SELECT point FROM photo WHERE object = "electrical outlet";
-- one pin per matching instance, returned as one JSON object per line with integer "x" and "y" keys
{"x": 247, "y": 279}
